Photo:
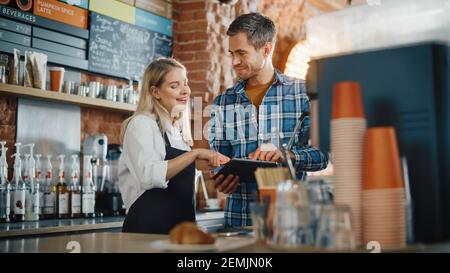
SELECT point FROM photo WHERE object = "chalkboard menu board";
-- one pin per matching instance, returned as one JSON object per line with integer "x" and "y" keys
{"x": 123, "y": 50}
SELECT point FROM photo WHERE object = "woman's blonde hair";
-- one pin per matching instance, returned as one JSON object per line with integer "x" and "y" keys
{"x": 154, "y": 76}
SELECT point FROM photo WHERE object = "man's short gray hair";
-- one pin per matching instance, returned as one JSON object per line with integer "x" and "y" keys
{"x": 259, "y": 29}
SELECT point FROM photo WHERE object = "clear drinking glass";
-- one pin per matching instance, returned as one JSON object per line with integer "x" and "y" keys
{"x": 319, "y": 194}
{"x": 335, "y": 232}
{"x": 259, "y": 221}
{"x": 291, "y": 218}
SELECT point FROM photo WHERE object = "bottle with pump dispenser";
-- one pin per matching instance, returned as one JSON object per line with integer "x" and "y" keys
{"x": 41, "y": 184}
{"x": 12, "y": 188}
{"x": 62, "y": 193}
{"x": 28, "y": 193}
{"x": 33, "y": 199}
{"x": 49, "y": 194}
{"x": 75, "y": 189}
{"x": 25, "y": 169}
{"x": 5, "y": 187}
{"x": 3, "y": 156}
{"x": 20, "y": 187}
{"x": 88, "y": 190}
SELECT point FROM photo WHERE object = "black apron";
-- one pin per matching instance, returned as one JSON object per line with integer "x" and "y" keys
{"x": 159, "y": 210}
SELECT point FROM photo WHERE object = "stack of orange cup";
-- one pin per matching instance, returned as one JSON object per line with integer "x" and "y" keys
{"x": 348, "y": 128}
{"x": 383, "y": 190}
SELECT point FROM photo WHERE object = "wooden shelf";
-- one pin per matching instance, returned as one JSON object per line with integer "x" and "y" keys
{"x": 20, "y": 91}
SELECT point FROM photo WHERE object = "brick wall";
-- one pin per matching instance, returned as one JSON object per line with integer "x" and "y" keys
{"x": 191, "y": 43}
{"x": 289, "y": 17}
{"x": 95, "y": 121}
{"x": 8, "y": 114}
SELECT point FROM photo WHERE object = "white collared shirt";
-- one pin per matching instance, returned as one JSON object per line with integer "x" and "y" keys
{"x": 142, "y": 165}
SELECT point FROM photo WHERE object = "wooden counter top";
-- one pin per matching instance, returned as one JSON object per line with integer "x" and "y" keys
{"x": 118, "y": 242}
{"x": 59, "y": 225}
{"x": 209, "y": 220}
{"x": 110, "y": 242}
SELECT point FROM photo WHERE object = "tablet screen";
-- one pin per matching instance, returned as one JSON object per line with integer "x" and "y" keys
{"x": 244, "y": 168}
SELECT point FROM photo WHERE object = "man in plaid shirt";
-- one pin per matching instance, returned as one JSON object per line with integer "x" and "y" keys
{"x": 263, "y": 107}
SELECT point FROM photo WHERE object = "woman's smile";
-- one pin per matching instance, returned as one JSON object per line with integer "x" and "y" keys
{"x": 183, "y": 100}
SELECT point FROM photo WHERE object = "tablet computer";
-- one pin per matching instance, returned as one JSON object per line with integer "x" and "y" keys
{"x": 244, "y": 168}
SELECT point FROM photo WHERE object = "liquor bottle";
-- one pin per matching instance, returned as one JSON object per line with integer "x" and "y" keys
{"x": 62, "y": 192}
{"x": 32, "y": 200}
{"x": 20, "y": 192}
{"x": 49, "y": 194}
{"x": 41, "y": 183}
{"x": 75, "y": 189}
{"x": 88, "y": 191}
{"x": 28, "y": 193}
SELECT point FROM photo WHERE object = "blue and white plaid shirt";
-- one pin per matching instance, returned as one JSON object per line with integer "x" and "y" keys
{"x": 236, "y": 131}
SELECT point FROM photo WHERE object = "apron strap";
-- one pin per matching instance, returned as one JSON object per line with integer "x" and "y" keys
{"x": 165, "y": 137}
{"x": 166, "y": 140}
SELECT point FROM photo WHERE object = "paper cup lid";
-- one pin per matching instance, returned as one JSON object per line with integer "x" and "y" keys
{"x": 56, "y": 68}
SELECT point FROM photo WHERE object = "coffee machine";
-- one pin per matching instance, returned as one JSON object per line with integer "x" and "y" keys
{"x": 105, "y": 161}
{"x": 96, "y": 145}
{"x": 113, "y": 156}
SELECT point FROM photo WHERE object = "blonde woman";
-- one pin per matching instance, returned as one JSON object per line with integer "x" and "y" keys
{"x": 157, "y": 167}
